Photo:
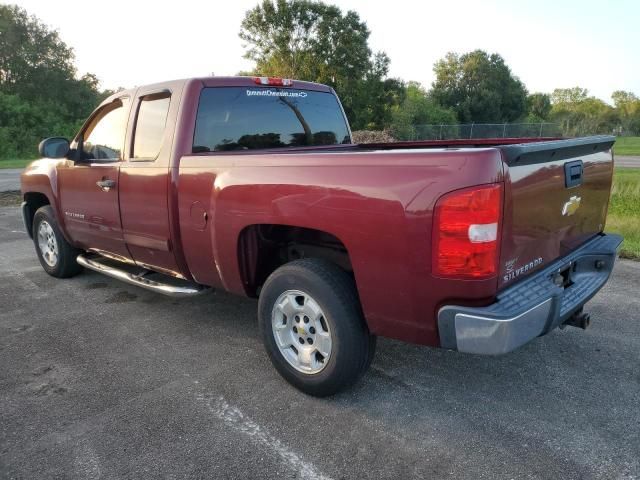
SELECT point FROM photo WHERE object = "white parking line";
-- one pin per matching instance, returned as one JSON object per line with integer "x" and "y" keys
{"x": 86, "y": 463}
{"x": 234, "y": 418}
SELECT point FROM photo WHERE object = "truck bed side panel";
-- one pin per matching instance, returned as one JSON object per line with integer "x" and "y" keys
{"x": 377, "y": 203}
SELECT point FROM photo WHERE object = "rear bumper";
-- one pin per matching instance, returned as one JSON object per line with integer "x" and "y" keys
{"x": 532, "y": 307}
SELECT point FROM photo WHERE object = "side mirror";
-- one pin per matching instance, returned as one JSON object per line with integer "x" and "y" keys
{"x": 54, "y": 147}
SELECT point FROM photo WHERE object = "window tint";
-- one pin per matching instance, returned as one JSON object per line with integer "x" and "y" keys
{"x": 241, "y": 118}
{"x": 104, "y": 136}
{"x": 150, "y": 123}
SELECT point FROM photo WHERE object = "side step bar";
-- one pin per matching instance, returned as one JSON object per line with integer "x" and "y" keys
{"x": 139, "y": 280}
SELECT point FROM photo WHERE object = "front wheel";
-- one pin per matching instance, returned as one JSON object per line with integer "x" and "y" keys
{"x": 56, "y": 255}
{"x": 312, "y": 326}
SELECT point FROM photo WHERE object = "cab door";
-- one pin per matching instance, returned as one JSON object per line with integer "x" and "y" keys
{"x": 145, "y": 183}
{"x": 89, "y": 186}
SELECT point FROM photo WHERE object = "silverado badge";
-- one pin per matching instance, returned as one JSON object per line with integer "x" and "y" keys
{"x": 571, "y": 206}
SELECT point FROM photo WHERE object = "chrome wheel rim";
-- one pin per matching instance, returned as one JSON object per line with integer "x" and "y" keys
{"x": 301, "y": 331}
{"x": 47, "y": 243}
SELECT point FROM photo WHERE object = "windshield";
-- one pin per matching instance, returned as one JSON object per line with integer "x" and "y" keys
{"x": 246, "y": 118}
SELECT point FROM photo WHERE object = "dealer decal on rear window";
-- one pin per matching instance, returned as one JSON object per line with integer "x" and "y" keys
{"x": 275, "y": 93}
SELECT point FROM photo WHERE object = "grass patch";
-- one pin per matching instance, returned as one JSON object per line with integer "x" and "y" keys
{"x": 624, "y": 210}
{"x": 627, "y": 146}
{"x": 15, "y": 163}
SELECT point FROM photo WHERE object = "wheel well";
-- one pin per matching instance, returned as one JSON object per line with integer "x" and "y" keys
{"x": 264, "y": 248}
{"x": 34, "y": 200}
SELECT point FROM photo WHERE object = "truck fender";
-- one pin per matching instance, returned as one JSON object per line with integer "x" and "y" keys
{"x": 40, "y": 179}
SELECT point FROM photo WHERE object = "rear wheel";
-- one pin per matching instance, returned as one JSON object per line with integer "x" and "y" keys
{"x": 56, "y": 255}
{"x": 312, "y": 326}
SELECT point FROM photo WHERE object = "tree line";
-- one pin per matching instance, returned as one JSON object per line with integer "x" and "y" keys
{"x": 41, "y": 93}
{"x": 314, "y": 41}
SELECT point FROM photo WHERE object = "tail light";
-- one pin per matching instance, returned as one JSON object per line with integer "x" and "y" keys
{"x": 273, "y": 81}
{"x": 465, "y": 232}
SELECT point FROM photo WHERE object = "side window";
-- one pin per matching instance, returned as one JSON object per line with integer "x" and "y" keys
{"x": 150, "y": 123}
{"x": 104, "y": 136}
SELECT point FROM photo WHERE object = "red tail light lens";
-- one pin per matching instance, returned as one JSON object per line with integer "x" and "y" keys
{"x": 273, "y": 81}
{"x": 465, "y": 232}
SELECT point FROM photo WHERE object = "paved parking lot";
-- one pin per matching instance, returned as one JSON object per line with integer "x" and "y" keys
{"x": 102, "y": 380}
{"x": 10, "y": 179}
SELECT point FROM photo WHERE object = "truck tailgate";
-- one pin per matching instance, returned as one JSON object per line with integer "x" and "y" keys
{"x": 556, "y": 198}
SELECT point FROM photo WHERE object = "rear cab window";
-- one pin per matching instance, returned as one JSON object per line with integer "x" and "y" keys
{"x": 248, "y": 118}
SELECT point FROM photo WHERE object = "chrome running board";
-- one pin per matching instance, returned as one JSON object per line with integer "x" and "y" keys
{"x": 139, "y": 280}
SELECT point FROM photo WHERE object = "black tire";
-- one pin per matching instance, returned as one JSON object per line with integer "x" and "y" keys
{"x": 352, "y": 346}
{"x": 65, "y": 265}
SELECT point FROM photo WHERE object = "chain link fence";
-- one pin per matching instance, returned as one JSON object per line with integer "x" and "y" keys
{"x": 481, "y": 130}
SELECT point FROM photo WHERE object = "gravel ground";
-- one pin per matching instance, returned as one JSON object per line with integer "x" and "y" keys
{"x": 103, "y": 380}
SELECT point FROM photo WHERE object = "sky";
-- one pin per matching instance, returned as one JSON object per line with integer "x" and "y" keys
{"x": 547, "y": 43}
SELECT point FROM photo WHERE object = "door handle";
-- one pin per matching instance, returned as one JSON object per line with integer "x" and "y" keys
{"x": 106, "y": 184}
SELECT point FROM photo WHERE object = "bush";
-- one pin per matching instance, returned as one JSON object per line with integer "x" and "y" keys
{"x": 372, "y": 136}
{"x": 411, "y": 118}
{"x": 24, "y": 123}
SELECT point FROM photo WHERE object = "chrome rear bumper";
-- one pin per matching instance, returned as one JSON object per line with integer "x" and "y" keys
{"x": 532, "y": 307}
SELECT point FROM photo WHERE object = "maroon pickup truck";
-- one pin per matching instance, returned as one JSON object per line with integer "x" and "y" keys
{"x": 253, "y": 185}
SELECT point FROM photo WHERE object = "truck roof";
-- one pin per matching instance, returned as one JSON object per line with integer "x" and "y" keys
{"x": 235, "y": 81}
{"x": 251, "y": 82}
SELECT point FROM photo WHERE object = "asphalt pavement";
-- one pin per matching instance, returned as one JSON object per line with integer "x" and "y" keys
{"x": 627, "y": 162}
{"x": 99, "y": 379}
{"x": 10, "y": 179}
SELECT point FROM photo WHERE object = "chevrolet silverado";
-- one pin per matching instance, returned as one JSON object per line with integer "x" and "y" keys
{"x": 253, "y": 186}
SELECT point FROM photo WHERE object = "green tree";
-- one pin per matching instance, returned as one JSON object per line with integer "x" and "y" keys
{"x": 310, "y": 40}
{"x": 369, "y": 102}
{"x": 577, "y": 113}
{"x": 624, "y": 101}
{"x": 301, "y": 38}
{"x": 30, "y": 52}
{"x": 569, "y": 97}
{"x": 40, "y": 94}
{"x": 416, "y": 110}
{"x": 628, "y": 107}
{"x": 539, "y": 105}
{"x": 479, "y": 87}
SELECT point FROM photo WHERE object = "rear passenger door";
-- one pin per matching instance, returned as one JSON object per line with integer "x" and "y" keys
{"x": 145, "y": 180}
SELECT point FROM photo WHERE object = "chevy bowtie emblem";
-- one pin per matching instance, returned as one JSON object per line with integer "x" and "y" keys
{"x": 571, "y": 206}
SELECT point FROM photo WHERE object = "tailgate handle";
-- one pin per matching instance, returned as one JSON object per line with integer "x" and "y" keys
{"x": 573, "y": 173}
